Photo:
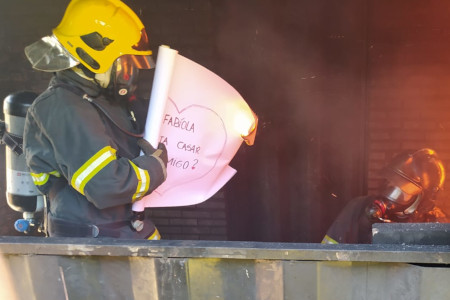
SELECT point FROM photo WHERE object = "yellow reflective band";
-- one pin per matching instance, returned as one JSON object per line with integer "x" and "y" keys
{"x": 328, "y": 240}
{"x": 55, "y": 173}
{"x": 39, "y": 179}
{"x": 155, "y": 236}
{"x": 143, "y": 182}
{"x": 90, "y": 168}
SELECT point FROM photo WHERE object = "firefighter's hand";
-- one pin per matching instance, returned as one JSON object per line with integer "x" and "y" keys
{"x": 160, "y": 153}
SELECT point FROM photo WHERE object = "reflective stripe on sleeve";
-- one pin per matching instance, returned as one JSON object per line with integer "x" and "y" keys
{"x": 39, "y": 178}
{"x": 155, "y": 235}
{"x": 55, "y": 173}
{"x": 42, "y": 178}
{"x": 90, "y": 168}
{"x": 143, "y": 182}
{"x": 328, "y": 240}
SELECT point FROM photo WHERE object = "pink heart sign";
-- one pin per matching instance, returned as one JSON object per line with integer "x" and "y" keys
{"x": 194, "y": 144}
{"x": 199, "y": 130}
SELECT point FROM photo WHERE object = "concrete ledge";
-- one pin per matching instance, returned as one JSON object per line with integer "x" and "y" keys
{"x": 426, "y": 254}
{"x": 411, "y": 233}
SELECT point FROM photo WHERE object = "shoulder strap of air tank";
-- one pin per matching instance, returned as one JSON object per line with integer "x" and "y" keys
{"x": 78, "y": 91}
{"x": 2, "y": 128}
{"x": 14, "y": 142}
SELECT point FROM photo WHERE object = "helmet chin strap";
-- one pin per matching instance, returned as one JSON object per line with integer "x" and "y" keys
{"x": 101, "y": 79}
{"x": 111, "y": 87}
{"x": 79, "y": 70}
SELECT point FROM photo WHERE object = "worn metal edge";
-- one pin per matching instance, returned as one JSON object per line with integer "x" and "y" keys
{"x": 427, "y": 254}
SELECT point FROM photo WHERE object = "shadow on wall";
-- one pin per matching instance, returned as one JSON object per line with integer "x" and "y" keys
{"x": 306, "y": 83}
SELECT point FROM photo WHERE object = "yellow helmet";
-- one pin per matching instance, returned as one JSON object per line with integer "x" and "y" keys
{"x": 94, "y": 33}
{"x": 97, "y": 32}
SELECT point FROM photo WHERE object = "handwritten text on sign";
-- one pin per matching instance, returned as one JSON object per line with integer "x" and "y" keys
{"x": 198, "y": 129}
{"x": 196, "y": 146}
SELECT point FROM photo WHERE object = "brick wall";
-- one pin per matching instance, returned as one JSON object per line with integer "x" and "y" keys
{"x": 206, "y": 221}
{"x": 182, "y": 24}
{"x": 407, "y": 91}
{"x": 408, "y": 86}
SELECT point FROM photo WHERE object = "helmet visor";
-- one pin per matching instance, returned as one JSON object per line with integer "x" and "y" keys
{"x": 143, "y": 44}
{"x": 400, "y": 190}
{"x": 49, "y": 55}
{"x": 139, "y": 61}
{"x": 125, "y": 72}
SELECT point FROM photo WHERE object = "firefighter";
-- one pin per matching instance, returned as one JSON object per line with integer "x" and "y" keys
{"x": 411, "y": 182}
{"x": 82, "y": 141}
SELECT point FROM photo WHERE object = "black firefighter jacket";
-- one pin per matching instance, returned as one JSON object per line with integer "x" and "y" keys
{"x": 90, "y": 170}
{"x": 352, "y": 226}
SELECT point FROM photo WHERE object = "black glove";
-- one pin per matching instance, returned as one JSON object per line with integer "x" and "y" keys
{"x": 160, "y": 153}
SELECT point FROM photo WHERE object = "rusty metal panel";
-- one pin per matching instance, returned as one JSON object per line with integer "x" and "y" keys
{"x": 61, "y": 268}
